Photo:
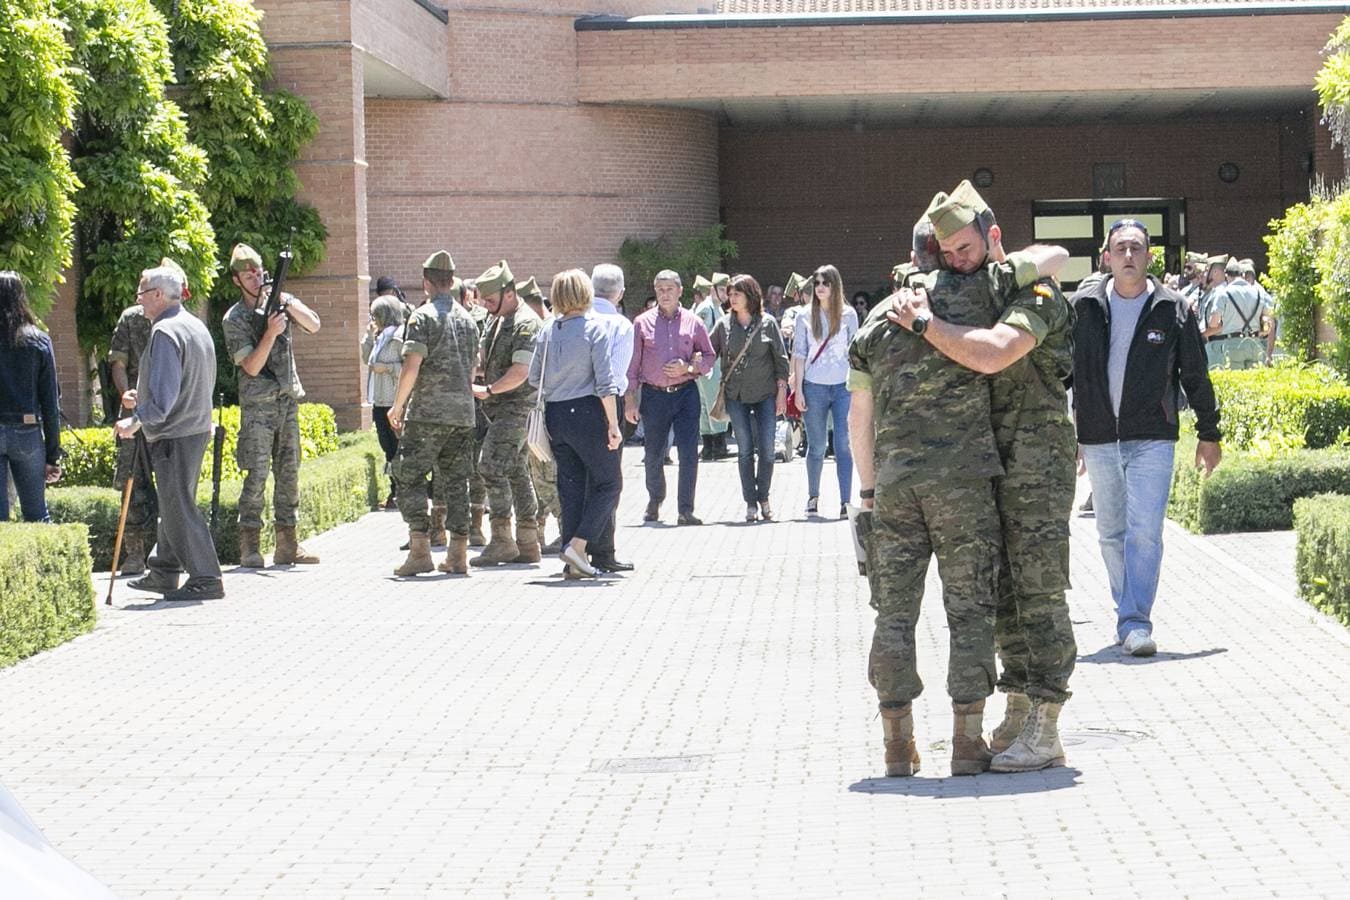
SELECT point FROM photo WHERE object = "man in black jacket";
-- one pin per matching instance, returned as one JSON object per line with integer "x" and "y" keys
{"x": 1136, "y": 346}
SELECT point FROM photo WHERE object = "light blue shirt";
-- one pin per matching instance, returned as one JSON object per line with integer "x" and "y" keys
{"x": 620, "y": 339}
{"x": 579, "y": 358}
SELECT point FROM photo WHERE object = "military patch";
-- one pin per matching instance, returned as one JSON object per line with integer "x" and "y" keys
{"x": 1043, "y": 293}
{"x": 1154, "y": 336}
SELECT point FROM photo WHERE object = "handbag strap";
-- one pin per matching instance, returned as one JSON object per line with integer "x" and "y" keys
{"x": 749, "y": 337}
{"x": 543, "y": 370}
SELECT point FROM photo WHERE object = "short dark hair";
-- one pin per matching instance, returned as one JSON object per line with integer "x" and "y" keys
{"x": 747, "y": 285}
{"x": 439, "y": 278}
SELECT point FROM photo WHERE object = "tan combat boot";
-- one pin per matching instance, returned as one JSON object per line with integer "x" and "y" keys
{"x": 501, "y": 549}
{"x": 133, "y": 554}
{"x": 289, "y": 552}
{"x": 437, "y": 536}
{"x": 897, "y": 726}
{"x": 476, "y": 538}
{"x": 419, "y": 556}
{"x": 970, "y": 754}
{"x": 249, "y": 557}
{"x": 527, "y": 542}
{"x": 1014, "y": 717}
{"x": 1038, "y": 746}
{"x": 456, "y": 556}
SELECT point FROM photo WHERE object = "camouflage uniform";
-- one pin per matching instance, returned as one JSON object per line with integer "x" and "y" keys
{"x": 935, "y": 461}
{"x": 269, "y": 427}
{"x": 477, "y": 487}
{"x": 439, "y": 430}
{"x": 508, "y": 341}
{"x": 129, "y": 340}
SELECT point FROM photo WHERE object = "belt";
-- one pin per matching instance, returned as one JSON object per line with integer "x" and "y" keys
{"x": 671, "y": 389}
{"x": 20, "y": 419}
{"x": 1235, "y": 334}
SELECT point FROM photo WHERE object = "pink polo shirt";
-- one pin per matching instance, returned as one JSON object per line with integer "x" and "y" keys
{"x": 658, "y": 340}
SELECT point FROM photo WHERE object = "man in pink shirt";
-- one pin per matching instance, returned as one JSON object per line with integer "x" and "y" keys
{"x": 671, "y": 351}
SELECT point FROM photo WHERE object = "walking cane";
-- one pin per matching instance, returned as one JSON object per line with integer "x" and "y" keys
{"x": 137, "y": 461}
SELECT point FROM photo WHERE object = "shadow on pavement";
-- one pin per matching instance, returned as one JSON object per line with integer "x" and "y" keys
{"x": 1111, "y": 654}
{"x": 161, "y": 603}
{"x": 991, "y": 784}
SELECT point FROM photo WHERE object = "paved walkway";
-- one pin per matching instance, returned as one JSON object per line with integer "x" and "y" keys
{"x": 700, "y": 728}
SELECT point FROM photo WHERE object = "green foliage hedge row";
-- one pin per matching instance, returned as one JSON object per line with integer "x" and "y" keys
{"x": 91, "y": 454}
{"x": 339, "y": 487}
{"x": 1249, "y": 492}
{"x": 46, "y": 593}
{"x": 1286, "y": 403}
{"x": 697, "y": 254}
{"x": 1323, "y": 561}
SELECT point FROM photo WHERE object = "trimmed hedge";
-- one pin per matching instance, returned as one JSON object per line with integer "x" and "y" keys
{"x": 1308, "y": 404}
{"x": 46, "y": 593}
{"x": 1252, "y": 493}
{"x": 91, "y": 454}
{"x": 1323, "y": 561}
{"x": 338, "y": 487}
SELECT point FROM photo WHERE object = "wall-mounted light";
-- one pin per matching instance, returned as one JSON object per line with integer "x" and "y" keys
{"x": 1228, "y": 173}
{"x": 982, "y": 177}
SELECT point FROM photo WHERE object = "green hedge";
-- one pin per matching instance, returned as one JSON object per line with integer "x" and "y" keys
{"x": 1286, "y": 404}
{"x": 1249, "y": 492}
{"x": 338, "y": 487}
{"x": 46, "y": 593}
{"x": 91, "y": 453}
{"x": 1323, "y": 562}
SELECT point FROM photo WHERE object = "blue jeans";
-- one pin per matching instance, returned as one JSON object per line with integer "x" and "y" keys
{"x": 23, "y": 453}
{"x": 753, "y": 424}
{"x": 664, "y": 411}
{"x": 824, "y": 401}
{"x": 1130, "y": 484}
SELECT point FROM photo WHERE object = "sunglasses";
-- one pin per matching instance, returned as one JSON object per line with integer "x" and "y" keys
{"x": 1126, "y": 223}
{"x": 820, "y": 281}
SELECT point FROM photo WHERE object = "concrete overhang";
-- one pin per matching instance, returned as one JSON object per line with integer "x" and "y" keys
{"x": 405, "y": 56}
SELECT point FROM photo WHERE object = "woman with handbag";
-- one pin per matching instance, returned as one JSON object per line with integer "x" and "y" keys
{"x": 571, "y": 368}
{"x": 754, "y": 388}
{"x": 819, "y": 370}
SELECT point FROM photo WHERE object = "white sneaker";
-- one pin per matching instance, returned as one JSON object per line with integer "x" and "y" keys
{"x": 1139, "y": 643}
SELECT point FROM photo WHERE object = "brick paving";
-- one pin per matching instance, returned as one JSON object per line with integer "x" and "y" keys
{"x": 701, "y": 727}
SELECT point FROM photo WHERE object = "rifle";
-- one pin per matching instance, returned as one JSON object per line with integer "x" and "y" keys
{"x": 275, "y": 299}
{"x": 217, "y": 451}
{"x": 140, "y": 465}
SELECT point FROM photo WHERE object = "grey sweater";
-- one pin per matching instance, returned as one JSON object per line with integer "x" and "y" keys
{"x": 177, "y": 377}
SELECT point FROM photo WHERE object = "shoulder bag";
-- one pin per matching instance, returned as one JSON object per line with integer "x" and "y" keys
{"x": 536, "y": 431}
{"x": 718, "y": 411}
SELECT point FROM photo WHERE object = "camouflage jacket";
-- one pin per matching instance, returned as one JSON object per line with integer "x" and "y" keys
{"x": 444, "y": 335}
{"x": 129, "y": 340}
{"x": 277, "y": 377}
{"x": 507, "y": 341}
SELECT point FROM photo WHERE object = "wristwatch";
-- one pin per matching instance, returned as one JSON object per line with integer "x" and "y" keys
{"x": 920, "y": 323}
{"x": 488, "y": 388}
{"x": 689, "y": 368}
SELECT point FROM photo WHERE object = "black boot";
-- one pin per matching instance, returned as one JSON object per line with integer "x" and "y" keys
{"x": 707, "y": 453}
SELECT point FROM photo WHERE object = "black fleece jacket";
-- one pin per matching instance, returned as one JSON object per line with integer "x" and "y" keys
{"x": 1166, "y": 356}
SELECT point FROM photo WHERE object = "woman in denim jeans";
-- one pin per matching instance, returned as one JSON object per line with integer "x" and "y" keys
{"x": 755, "y": 386}
{"x": 819, "y": 370}
{"x": 30, "y": 423}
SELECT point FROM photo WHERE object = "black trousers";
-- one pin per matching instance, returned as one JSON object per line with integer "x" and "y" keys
{"x": 603, "y": 546}
{"x": 588, "y": 471}
{"x": 184, "y": 540}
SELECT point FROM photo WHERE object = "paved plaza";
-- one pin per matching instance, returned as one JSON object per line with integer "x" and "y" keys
{"x": 701, "y": 727}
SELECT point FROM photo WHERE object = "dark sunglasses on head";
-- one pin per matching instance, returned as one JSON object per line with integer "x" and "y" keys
{"x": 1126, "y": 223}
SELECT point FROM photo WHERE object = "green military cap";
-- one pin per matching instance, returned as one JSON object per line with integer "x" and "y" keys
{"x": 244, "y": 257}
{"x": 901, "y": 272}
{"x": 1220, "y": 260}
{"x": 495, "y": 280}
{"x": 702, "y": 285}
{"x": 1247, "y": 265}
{"x": 529, "y": 289}
{"x": 167, "y": 263}
{"x": 949, "y": 213}
{"x": 440, "y": 261}
{"x": 721, "y": 279}
{"x": 1196, "y": 258}
{"x": 1233, "y": 267}
{"x": 795, "y": 283}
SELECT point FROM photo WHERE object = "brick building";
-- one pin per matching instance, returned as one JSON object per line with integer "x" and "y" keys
{"x": 816, "y": 130}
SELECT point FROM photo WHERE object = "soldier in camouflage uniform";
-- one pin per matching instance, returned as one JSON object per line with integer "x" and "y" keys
{"x": 507, "y": 347}
{"x": 468, "y": 298}
{"x": 129, "y": 340}
{"x": 435, "y": 399}
{"x": 544, "y": 475}
{"x": 1029, "y": 354}
{"x": 269, "y": 400}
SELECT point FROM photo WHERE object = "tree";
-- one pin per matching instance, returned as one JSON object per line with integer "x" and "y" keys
{"x": 696, "y": 254}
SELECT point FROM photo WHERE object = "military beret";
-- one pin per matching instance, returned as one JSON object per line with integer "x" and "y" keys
{"x": 1196, "y": 258}
{"x": 244, "y": 257}
{"x": 721, "y": 279}
{"x": 440, "y": 261}
{"x": 529, "y": 289}
{"x": 495, "y": 280}
{"x": 795, "y": 283}
{"x": 1221, "y": 259}
{"x": 949, "y": 213}
{"x": 702, "y": 285}
{"x": 1233, "y": 267}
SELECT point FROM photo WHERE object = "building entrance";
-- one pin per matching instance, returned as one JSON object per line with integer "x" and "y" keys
{"x": 1080, "y": 227}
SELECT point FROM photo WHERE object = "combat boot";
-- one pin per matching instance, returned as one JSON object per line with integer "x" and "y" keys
{"x": 289, "y": 552}
{"x": 1014, "y": 717}
{"x": 419, "y": 556}
{"x": 476, "y": 538}
{"x": 501, "y": 549}
{"x": 527, "y": 541}
{"x": 249, "y": 556}
{"x": 437, "y": 535}
{"x": 456, "y": 556}
{"x": 1038, "y": 746}
{"x": 970, "y": 754}
{"x": 133, "y": 554}
{"x": 897, "y": 726}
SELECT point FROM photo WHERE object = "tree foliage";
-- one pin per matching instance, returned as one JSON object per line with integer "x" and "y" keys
{"x": 1333, "y": 83}
{"x": 140, "y": 172}
{"x": 1292, "y": 277}
{"x": 37, "y": 103}
{"x": 696, "y": 254}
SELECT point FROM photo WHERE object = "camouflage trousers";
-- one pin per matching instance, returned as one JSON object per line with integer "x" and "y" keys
{"x": 1033, "y": 633}
{"x": 544, "y": 475}
{"x": 428, "y": 446}
{"x": 477, "y": 488}
{"x": 957, "y": 521}
{"x": 505, "y": 473}
{"x": 143, "y": 513}
{"x": 269, "y": 438}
